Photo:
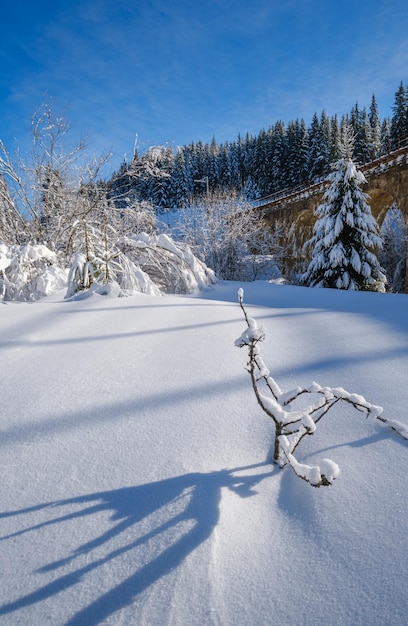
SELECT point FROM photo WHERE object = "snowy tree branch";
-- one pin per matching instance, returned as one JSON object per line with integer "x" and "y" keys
{"x": 293, "y": 424}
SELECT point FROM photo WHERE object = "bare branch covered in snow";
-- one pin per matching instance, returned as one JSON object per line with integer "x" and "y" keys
{"x": 295, "y": 413}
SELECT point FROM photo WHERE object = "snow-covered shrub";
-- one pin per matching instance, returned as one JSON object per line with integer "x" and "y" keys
{"x": 80, "y": 275}
{"x": 393, "y": 255}
{"x": 128, "y": 276}
{"x": 29, "y": 272}
{"x": 258, "y": 267}
{"x": 171, "y": 267}
{"x": 295, "y": 413}
{"x": 224, "y": 231}
{"x": 142, "y": 263}
{"x": 97, "y": 258}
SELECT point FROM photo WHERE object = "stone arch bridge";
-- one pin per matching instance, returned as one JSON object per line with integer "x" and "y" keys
{"x": 387, "y": 185}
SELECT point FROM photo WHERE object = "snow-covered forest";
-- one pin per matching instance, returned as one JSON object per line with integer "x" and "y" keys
{"x": 63, "y": 221}
{"x": 146, "y": 479}
{"x": 282, "y": 156}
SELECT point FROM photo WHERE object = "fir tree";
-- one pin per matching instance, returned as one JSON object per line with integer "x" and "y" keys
{"x": 345, "y": 234}
{"x": 364, "y": 138}
{"x": 318, "y": 151}
{"x": 399, "y": 121}
{"x": 233, "y": 163}
{"x": 386, "y": 136}
{"x": 278, "y": 157}
{"x": 262, "y": 167}
{"x": 334, "y": 139}
{"x": 375, "y": 124}
{"x": 296, "y": 152}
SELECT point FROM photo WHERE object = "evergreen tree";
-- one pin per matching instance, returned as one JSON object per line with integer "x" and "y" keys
{"x": 233, "y": 169}
{"x": 212, "y": 164}
{"x": 222, "y": 167}
{"x": 262, "y": 166}
{"x": 279, "y": 168}
{"x": 345, "y": 234}
{"x": 375, "y": 124}
{"x": 334, "y": 139}
{"x": 354, "y": 120}
{"x": 250, "y": 191}
{"x": 245, "y": 148}
{"x": 318, "y": 151}
{"x": 364, "y": 138}
{"x": 386, "y": 136}
{"x": 296, "y": 148}
{"x": 399, "y": 120}
{"x": 325, "y": 131}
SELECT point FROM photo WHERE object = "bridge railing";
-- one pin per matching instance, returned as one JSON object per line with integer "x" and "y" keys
{"x": 313, "y": 186}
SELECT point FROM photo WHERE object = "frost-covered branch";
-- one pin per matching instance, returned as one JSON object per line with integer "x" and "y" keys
{"x": 293, "y": 423}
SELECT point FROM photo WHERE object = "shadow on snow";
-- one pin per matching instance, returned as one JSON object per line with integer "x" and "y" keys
{"x": 189, "y": 502}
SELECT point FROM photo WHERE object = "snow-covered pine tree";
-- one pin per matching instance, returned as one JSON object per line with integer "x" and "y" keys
{"x": 318, "y": 149}
{"x": 375, "y": 123}
{"x": 334, "y": 138}
{"x": 399, "y": 121}
{"x": 345, "y": 234}
{"x": 364, "y": 151}
{"x": 385, "y": 136}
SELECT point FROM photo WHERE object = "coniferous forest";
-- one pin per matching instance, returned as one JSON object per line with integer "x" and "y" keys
{"x": 255, "y": 166}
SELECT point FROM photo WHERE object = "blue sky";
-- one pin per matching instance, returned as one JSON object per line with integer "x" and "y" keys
{"x": 177, "y": 71}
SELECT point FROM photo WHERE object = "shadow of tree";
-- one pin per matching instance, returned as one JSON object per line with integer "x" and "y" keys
{"x": 189, "y": 506}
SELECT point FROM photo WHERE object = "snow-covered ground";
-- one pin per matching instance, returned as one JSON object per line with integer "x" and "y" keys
{"x": 136, "y": 484}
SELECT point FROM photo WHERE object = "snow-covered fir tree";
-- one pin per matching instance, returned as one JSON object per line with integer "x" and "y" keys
{"x": 375, "y": 124}
{"x": 399, "y": 121}
{"x": 345, "y": 234}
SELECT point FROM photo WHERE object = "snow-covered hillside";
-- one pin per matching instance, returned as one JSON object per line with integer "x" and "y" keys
{"x": 136, "y": 484}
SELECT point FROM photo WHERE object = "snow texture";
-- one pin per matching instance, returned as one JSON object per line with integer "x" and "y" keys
{"x": 136, "y": 483}
{"x": 152, "y": 265}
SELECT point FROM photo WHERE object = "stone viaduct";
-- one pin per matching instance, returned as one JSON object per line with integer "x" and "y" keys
{"x": 387, "y": 185}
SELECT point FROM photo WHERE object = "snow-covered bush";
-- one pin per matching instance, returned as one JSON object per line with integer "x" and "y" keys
{"x": 171, "y": 267}
{"x": 96, "y": 272}
{"x": 295, "y": 413}
{"x": 393, "y": 255}
{"x": 259, "y": 267}
{"x": 80, "y": 274}
{"x": 151, "y": 264}
{"x": 29, "y": 272}
{"x": 224, "y": 231}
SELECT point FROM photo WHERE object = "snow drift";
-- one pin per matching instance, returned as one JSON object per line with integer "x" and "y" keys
{"x": 136, "y": 482}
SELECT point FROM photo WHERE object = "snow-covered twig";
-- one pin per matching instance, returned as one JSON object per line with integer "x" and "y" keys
{"x": 292, "y": 425}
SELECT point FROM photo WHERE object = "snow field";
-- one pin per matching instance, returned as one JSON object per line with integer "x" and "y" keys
{"x": 136, "y": 487}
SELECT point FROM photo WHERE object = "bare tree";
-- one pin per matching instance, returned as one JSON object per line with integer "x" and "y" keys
{"x": 12, "y": 224}
{"x": 40, "y": 187}
{"x": 226, "y": 233}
